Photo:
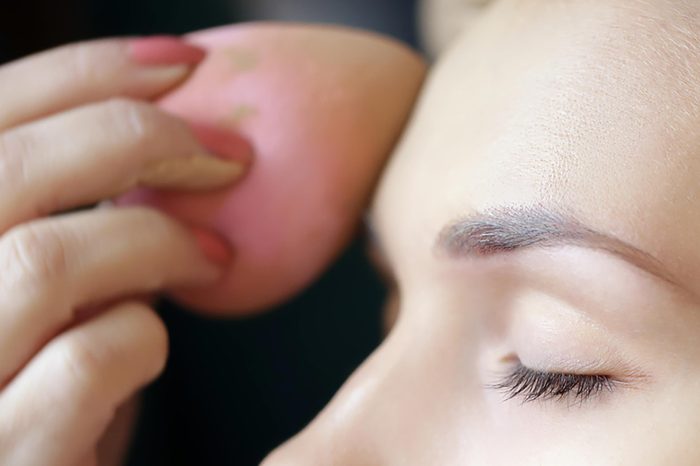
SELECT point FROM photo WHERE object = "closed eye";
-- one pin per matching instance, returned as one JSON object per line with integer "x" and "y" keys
{"x": 530, "y": 385}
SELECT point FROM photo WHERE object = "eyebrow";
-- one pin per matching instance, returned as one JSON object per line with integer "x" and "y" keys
{"x": 509, "y": 229}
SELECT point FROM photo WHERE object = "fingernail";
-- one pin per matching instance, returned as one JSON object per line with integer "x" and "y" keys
{"x": 164, "y": 51}
{"x": 214, "y": 247}
{"x": 198, "y": 172}
{"x": 224, "y": 142}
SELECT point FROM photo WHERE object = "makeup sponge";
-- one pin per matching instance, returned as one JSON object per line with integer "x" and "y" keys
{"x": 323, "y": 107}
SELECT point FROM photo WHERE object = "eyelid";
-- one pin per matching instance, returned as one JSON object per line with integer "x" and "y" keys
{"x": 550, "y": 333}
{"x": 530, "y": 385}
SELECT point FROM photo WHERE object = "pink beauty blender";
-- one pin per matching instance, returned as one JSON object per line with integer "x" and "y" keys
{"x": 323, "y": 107}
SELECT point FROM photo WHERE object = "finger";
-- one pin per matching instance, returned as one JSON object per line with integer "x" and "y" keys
{"x": 114, "y": 444}
{"x": 54, "y": 266}
{"x": 77, "y": 74}
{"x": 55, "y": 411}
{"x": 93, "y": 152}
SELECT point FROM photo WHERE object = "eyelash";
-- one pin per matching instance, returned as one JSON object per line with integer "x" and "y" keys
{"x": 531, "y": 385}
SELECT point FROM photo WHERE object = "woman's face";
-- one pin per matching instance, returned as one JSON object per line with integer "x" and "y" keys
{"x": 540, "y": 220}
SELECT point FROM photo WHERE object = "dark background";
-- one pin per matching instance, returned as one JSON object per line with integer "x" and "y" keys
{"x": 233, "y": 389}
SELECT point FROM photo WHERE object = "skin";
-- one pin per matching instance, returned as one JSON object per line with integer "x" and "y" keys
{"x": 79, "y": 125}
{"x": 586, "y": 108}
{"x": 323, "y": 107}
{"x": 75, "y": 340}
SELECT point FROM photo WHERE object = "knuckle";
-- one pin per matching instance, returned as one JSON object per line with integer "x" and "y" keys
{"x": 36, "y": 256}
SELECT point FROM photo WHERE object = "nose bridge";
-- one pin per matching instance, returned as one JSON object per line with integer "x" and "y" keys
{"x": 381, "y": 415}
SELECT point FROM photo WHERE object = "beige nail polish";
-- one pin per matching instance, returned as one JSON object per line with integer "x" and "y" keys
{"x": 195, "y": 172}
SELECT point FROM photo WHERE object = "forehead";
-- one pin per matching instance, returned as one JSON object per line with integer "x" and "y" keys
{"x": 520, "y": 117}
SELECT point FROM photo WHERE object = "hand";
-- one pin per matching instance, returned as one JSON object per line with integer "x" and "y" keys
{"x": 74, "y": 129}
